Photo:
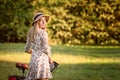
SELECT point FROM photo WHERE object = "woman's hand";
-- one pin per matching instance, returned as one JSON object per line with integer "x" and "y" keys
{"x": 29, "y": 52}
{"x": 50, "y": 60}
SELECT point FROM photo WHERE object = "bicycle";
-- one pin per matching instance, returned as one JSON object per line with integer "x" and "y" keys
{"x": 24, "y": 66}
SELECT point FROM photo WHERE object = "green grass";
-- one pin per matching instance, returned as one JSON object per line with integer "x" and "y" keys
{"x": 76, "y": 62}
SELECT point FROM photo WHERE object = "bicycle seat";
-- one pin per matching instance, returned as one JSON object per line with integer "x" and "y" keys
{"x": 22, "y": 66}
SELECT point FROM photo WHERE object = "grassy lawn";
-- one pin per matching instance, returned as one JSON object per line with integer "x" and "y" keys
{"x": 76, "y": 63}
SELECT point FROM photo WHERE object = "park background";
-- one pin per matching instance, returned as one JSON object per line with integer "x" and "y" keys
{"x": 84, "y": 36}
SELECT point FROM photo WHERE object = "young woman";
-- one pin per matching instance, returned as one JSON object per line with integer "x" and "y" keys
{"x": 37, "y": 46}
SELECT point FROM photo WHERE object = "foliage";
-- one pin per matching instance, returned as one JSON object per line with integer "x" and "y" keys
{"x": 89, "y": 22}
{"x": 14, "y": 19}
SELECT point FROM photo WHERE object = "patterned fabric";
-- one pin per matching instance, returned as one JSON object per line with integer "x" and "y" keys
{"x": 39, "y": 66}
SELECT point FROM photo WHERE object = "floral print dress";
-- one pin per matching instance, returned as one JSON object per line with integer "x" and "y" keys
{"x": 39, "y": 63}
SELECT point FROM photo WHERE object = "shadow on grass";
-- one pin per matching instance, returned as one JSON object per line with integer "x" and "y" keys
{"x": 93, "y": 52}
{"x": 85, "y": 71}
{"x": 8, "y": 68}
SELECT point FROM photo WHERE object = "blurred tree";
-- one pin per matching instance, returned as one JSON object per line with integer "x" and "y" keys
{"x": 14, "y": 19}
{"x": 89, "y": 22}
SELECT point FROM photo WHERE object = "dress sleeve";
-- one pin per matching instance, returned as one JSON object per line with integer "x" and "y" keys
{"x": 46, "y": 48}
{"x": 28, "y": 45}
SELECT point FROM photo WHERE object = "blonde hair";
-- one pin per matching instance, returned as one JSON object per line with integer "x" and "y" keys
{"x": 33, "y": 31}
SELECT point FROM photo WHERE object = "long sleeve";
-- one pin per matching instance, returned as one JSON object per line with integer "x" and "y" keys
{"x": 28, "y": 44}
{"x": 45, "y": 46}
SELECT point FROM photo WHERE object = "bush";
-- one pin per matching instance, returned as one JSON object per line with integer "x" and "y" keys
{"x": 71, "y": 21}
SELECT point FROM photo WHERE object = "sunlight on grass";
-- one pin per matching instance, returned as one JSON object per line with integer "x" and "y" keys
{"x": 18, "y": 57}
{"x": 60, "y": 58}
{"x": 75, "y": 59}
{"x": 76, "y": 63}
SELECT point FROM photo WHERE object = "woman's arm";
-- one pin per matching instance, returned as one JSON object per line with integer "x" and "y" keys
{"x": 46, "y": 48}
{"x": 28, "y": 44}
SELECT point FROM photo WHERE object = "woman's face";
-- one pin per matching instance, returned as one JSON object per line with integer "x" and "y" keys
{"x": 42, "y": 22}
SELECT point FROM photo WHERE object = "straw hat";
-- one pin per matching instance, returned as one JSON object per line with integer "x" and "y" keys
{"x": 38, "y": 16}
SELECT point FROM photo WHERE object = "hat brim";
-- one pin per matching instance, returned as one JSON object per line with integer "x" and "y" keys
{"x": 46, "y": 17}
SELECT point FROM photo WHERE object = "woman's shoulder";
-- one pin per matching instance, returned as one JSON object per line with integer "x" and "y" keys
{"x": 43, "y": 32}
